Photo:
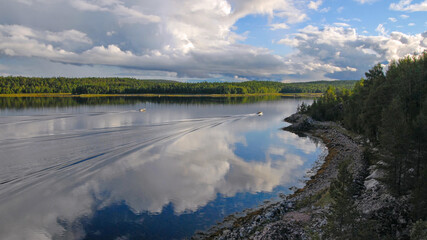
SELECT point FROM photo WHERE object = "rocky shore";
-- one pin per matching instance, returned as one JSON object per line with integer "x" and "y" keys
{"x": 302, "y": 214}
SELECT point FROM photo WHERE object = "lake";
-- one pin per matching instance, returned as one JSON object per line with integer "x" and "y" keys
{"x": 97, "y": 168}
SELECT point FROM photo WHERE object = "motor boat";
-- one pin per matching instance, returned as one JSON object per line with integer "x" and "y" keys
{"x": 142, "y": 110}
{"x": 259, "y": 113}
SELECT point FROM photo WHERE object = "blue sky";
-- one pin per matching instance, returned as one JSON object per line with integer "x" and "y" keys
{"x": 222, "y": 40}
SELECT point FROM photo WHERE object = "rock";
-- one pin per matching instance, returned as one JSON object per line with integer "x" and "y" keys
{"x": 294, "y": 118}
{"x": 371, "y": 185}
{"x": 300, "y": 123}
{"x": 269, "y": 215}
{"x": 376, "y": 174}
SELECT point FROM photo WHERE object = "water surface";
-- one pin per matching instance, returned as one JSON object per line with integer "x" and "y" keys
{"x": 100, "y": 169}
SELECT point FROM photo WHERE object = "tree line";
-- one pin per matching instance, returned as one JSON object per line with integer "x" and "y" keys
{"x": 390, "y": 109}
{"x": 16, "y": 85}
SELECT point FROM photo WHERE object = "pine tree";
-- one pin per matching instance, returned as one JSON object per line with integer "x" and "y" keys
{"x": 342, "y": 217}
{"x": 394, "y": 137}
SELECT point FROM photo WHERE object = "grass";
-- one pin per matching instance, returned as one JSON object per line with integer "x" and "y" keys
{"x": 310, "y": 95}
{"x": 321, "y": 198}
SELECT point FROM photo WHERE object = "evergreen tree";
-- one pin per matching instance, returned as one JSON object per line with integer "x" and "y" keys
{"x": 391, "y": 110}
{"x": 343, "y": 215}
{"x": 419, "y": 199}
{"x": 394, "y": 138}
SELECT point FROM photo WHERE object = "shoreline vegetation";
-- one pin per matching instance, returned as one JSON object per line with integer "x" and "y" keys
{"x": 373, "y": 182}
{"x": 296, "y": 95}
{"x": 132, "y": 87}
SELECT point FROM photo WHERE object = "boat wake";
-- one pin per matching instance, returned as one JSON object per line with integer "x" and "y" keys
{"x": 36, "y": 149}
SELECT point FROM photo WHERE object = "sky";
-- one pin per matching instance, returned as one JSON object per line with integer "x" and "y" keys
{"x": 215, "y": 40}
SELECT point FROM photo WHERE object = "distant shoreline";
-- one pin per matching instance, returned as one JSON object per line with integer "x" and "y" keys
{"x": 297, "y": 95}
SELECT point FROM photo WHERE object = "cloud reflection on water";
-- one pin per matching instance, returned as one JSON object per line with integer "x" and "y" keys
{"x": 185, "y": 163}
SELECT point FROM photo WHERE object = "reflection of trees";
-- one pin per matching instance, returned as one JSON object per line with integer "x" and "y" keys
{"x": 47, "y": 102}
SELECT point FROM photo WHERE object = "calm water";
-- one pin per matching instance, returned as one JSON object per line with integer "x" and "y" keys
{"x": 100, "y": 169}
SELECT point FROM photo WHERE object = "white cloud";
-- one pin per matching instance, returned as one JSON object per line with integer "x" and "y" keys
{"x": 276, "y": 26}
{"x": 22, "y": 32}
{"x": 381, "y": 30}
{"x": 339, "y": 24}
{"x": 348, "y": 20}
{"x": 365, "y": 1}
{"x": 239, "y": 79}
{"x": 274, "y": 8}
{"x": 127, "y": 14}
{"x": 22, "y": 41}
{"x": 403, "y": 16}
{"x": 405, "y": 5}
{"x": 391, "y": 19}
{"x": 411, "y": 24}
{"x": 356, "y": 52}
{"x": 315, "y": 4}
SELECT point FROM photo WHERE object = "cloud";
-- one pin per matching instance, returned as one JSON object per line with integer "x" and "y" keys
{"x": 196, "y": 39}
{"x": 126, "y": 14}
{"x": 365, "y": 1}
{"x": 381, "y": 30}
{"x": 274, "y": 8}
{"x": 341, "y": 24}
{"x": 185, "y": 39}
{"x": 348, "y": 20}
{"x": 189, "y": 60}
{"x": 324, "y": 10}
{"x": 315, "y": 4}
{"x": 344, "y": 48}
{"x": 406, "y": 6}
{"x": 403, "y": 16}
{"x": 20, "y": 35}
{"x": 276, "y": 26}
{"x": 23, "y": 41}
{"x": 110, "y": 33}
{"x": 391, "y": 19}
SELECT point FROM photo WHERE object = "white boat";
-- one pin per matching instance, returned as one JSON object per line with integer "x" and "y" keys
{"x": 142, "y": 110}
{"x": 259, "y": 113}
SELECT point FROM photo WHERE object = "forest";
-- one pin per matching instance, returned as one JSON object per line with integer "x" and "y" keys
{"x": 16, "y": 85}
{"x": 389, "y": 107}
